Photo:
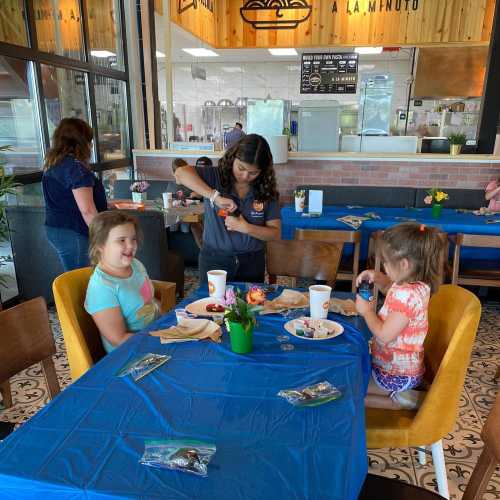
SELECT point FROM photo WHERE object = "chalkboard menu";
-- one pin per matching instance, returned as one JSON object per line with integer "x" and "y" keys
{"x": 329, "y": 73}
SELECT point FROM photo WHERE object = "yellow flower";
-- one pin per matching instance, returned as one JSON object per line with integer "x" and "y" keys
{"x": 440, "y": 196}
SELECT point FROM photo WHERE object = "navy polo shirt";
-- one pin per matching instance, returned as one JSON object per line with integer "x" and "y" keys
{"x": 215, "y": 234}
{"x": 58, "y": 182}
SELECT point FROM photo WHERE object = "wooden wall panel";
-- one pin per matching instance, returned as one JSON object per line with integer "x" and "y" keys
{"x": 450, "y": 72}
{"x": 12, "y": 28}
{"x": 433, "y": 22}
{"x": 195, "y": 17}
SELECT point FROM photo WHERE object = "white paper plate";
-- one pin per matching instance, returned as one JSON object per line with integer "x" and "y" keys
{"x": 199, "y": 307}
{"x": 335, "y": 328}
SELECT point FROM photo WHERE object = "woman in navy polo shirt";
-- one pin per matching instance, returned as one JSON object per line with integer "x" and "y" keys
{"x": 73, "y": 194}
{"x": 243, "y": 185}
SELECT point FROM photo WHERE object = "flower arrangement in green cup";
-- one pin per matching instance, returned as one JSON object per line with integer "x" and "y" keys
{"x": 435, "y": 196}
{"x": 239, "y": 310}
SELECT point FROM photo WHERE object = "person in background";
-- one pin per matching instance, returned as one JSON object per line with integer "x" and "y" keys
{"x": 234, "y": 135}
{"x": 204, "y": 161}
{"x": 174, "y": 187}
{"x": 120, "y": 295}
{"x": 73, "y": 194}
{"x": 492, "y": 194}
{"x": 241, "y": 209}
{"x": 413, "y": 271}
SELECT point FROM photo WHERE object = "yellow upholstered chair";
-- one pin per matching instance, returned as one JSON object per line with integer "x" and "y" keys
{"x": 81, "y": 336}
{"x": 454, "y": 315}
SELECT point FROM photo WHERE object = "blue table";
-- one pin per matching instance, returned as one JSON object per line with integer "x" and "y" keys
{"x": 451, "y": 222}
{"x": 88, "y": 441}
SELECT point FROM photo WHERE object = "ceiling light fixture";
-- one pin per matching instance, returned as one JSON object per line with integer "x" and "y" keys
{"x": 201, "y": 52}
{"x": 283, "y": 52}
{"x": 369, "y": 50}
{"x": 101, "y": 54}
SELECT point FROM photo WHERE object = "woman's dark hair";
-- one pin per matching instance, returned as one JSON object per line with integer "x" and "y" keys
{"x": 178, "y": 162}
{"x": 422, "y": 246}
{"x": 71, "y": 137}
{"x": 252, "y": 149}
{"x": 204, "y": 161}
{"x": 101, "y": 226}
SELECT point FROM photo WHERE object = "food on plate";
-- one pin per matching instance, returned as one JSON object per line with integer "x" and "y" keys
{"x": 256, "y": 296}
{"x": 312, "y": 328}
{"x": 215, "y": 308}
{"x": 345, "y": 307}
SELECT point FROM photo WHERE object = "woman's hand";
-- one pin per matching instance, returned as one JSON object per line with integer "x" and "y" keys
{"x": 363, "y": 306}
{"x": 225, "y": 203}
{"x": 236, "y": 224}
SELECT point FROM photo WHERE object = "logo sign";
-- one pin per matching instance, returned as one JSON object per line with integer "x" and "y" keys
{"x": 375, "y": 6}
{"x": 329, "y": 73}
{"x": 275, "y": 15}
{"x": 188, "y": 4}
{"x": 258, "y": 206}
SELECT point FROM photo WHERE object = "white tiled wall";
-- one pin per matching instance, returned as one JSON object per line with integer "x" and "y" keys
{"x": 279, "y": 80}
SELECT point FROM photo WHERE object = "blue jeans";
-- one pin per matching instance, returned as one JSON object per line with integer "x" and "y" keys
{"x": 71, "y": 247}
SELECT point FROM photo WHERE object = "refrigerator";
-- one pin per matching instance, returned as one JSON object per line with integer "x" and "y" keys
{"x": 319, "y": 126}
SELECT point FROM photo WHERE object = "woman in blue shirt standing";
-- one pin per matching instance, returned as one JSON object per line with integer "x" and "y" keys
{"x": 241, "y": 209}
{"x": 73, "y": 194}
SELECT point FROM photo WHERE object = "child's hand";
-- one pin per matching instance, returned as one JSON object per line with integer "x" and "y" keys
{"x": 363, "y": 306}
{"x": 368, "y": 275}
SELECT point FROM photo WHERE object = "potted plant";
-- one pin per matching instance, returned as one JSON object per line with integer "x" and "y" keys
{"x": 436, "y": 198}
{"x": 139, "y": 194}
{"x": 300, "y": 200}
{"x": 456, "y": 143}
{"x": 240, "y": 319}
{"x": 7, "y": 186}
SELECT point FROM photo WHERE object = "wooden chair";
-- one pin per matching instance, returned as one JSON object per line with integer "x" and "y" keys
{"x": 481, "y": 277}
{"x": 81, "y": 336}
{"x": 454, "y": 315}
{"x": 26, "y": 339}
{"x": 374, "y": 257}
{"x": 303, "y": 259}
{"x": 376, "y": 487}
{"x": 350, "y": 271}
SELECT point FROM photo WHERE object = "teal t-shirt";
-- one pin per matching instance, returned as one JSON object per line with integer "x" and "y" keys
{"x": 134, "y": 296}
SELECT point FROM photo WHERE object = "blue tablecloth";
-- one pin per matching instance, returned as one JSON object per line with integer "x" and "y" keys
{"x": 88, "y": 441}
{"x": 451, "y": 222}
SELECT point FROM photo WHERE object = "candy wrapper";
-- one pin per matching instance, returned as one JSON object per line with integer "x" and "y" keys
{"x": 140, "y": 367}
{"x": 311, "y": 395}
{"x": 185, "y": 456}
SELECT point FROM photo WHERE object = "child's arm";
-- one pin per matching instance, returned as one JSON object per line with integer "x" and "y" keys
{"x": 385, "y": 331}
{"x": 111, "y": 325}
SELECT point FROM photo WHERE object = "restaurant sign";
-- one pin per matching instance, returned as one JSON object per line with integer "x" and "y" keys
{"x": 374, "y": 6}
{"x": 329, "y": 73}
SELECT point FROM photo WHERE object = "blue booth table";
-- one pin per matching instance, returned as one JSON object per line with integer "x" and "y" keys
{"x": 451, "y": 222}
{"x": 88, "y": 441}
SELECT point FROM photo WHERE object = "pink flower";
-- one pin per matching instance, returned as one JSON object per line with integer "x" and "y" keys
{"x": 230, "y": 297}
{"x": 428, "y": 200}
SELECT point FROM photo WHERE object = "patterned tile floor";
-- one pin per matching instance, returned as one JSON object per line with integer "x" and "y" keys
{"x": 462, "y": 447}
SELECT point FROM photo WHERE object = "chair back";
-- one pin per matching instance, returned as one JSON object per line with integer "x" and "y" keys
{"x": 81, "y": 336}
{"x": 454, "y": 315}
{"x": 478, "y": 240}
{"x": 303, "y": 259}
{"x": 26, "y": 337}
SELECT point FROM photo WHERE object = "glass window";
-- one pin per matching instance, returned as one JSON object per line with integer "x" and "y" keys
{"x": 65, "y": 94}
{"x": 59, "y": 27}
{"x": 112, "y": 122}
{"x": 105, "y": 33}
{"x": 19, "y": 120}
{"x": 13, "y": 22}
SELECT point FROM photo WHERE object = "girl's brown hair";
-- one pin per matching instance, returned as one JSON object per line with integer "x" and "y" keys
{"x": 71, "y": 137}
{"x": 422, "y": 246}
{"x": 252, "y": 149}
{"x": 100, "y": 228}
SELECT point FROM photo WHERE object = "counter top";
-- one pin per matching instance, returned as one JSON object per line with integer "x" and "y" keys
{"x": 386, "y": 157}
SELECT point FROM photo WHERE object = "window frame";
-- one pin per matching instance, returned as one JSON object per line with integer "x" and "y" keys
{"x": 32, "y": 53}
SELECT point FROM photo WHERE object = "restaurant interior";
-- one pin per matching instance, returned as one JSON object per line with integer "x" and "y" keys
{"x": 250, "y": 235}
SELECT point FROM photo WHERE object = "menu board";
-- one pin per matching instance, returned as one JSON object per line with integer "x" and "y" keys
{"x": 329, "y": 73}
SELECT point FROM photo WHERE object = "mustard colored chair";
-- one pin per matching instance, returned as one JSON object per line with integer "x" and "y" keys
{"x": 454, "y": 315}
{"x": 81, "y": 336}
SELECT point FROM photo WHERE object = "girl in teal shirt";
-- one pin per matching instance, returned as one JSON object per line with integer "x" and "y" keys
{"x": 120, "y": 295}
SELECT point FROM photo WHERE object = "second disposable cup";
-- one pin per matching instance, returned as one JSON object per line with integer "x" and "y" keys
{"x": 167, "y": 200}
{"x": 217, "y": 283}
{"x": 319, "y": 301}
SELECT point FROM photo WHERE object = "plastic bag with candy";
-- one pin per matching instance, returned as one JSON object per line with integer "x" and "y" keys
{"x": 182, "y": 455}
{"x": 141, "y": 366}
{"x": 311, "y": 395}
